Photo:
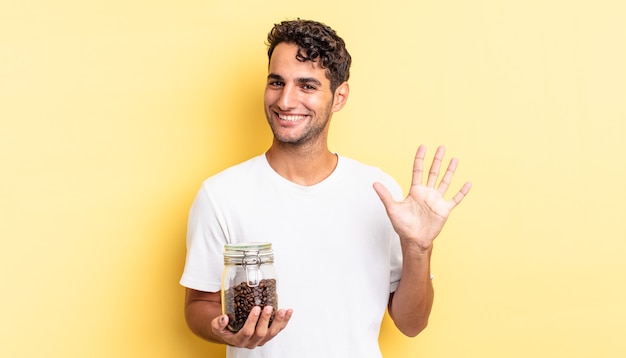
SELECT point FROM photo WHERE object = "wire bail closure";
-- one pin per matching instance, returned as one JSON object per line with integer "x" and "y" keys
{"x": 251, "y": 262}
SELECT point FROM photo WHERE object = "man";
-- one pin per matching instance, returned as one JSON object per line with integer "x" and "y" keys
{"x": 346, "y": 246}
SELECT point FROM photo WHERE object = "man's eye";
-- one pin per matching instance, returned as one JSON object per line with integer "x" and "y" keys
{"x": 275, "y": 84}
{"x": 309, "y": 87}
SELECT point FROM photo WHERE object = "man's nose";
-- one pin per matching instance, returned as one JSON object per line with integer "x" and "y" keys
{"x": 288, "y": 98}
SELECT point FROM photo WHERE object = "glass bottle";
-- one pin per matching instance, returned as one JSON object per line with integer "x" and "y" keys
{"x": 248, "y": 280}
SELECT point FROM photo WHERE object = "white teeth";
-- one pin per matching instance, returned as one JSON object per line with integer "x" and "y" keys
{"x": 290, "y": 118}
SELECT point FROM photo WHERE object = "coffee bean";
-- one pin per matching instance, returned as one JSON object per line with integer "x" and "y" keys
{"x": 240, "y": 299}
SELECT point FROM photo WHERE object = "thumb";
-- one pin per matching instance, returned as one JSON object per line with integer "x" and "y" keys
{"x": 222, "y": 321}
{"x": 218, "y": 324}
{"x": 383, "y": 194}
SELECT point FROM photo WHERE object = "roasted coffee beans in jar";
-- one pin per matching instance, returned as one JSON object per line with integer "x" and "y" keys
{"x": 248, "y": 280}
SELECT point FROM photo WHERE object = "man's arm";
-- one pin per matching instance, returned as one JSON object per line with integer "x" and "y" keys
{"x": 410, "y": 304}
{"x": 201, "y": 308}
{"x": 203, "y": 313}
{"x": 418, "y": 220}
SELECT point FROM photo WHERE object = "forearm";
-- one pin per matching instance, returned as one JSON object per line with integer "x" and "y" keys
{"x": 411, "y": 304}
{"x": 200, "y": 309}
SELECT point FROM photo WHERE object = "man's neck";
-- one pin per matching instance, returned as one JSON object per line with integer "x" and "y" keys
{"x": 301, "y": 166}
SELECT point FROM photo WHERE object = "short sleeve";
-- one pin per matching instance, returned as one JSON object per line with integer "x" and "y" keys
{"x": 205, "y": 241}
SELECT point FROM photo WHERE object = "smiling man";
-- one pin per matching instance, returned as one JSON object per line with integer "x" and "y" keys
{"x": 299, "y": 103}
{"x": 347, "y": 245}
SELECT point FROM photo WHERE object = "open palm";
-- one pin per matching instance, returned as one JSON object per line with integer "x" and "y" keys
{"x": 420, "y": 217}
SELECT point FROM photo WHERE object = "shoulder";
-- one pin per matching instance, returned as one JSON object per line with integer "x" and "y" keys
{"x": 234, "y": 180}
{"x": 356, "y": 167}
{"x": 358, "y": 170}
{"x": 238, "y": 172}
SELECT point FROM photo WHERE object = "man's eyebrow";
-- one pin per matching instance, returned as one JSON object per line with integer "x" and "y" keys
{"x": 274, "y": 76}
{"x": 309, "y": 80}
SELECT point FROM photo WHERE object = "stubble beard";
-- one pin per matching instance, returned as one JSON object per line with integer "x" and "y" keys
{"x": 310, "y": 134}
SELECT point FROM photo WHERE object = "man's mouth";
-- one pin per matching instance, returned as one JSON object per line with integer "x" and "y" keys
{"x": 291, "y": 118}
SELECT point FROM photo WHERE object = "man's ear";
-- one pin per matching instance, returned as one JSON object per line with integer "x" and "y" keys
{"x": 341, "y": 96}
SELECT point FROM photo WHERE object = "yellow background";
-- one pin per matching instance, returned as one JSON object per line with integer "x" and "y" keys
{"x": 113, "y": 112}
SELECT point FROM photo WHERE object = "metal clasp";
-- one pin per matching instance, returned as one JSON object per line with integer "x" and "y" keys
{"x": 251, "y": 262}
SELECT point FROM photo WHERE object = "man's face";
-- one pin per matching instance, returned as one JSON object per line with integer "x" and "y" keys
{"x": 298, "y": 100}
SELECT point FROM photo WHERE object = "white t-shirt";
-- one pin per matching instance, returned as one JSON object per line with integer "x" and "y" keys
{"x": 337, "y": 257}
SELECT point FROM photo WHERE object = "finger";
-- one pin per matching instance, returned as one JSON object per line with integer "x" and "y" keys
{"x": 433, "y": 174}
{"x": 219, "y": 324}
{"x": 418, "y": 166}
{"x": 447, "y": 177}
{"x": 461, "y": 194}
{"x": 247, "y": 331}
{"x": 262, "y": 327}
{"x": 281, "y": 318}
{"x": 384, "y": 194}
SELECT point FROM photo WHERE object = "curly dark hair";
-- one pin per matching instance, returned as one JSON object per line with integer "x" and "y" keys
{"x": 316, "y": 42}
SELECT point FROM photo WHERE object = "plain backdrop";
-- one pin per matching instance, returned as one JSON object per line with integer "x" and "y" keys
{"x": 113, "y": 112}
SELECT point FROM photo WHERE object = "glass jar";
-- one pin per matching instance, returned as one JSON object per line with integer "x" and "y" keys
{"x": 248, "y": 280}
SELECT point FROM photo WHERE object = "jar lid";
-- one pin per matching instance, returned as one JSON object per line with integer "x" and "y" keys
{"x": 245, "y": 248}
